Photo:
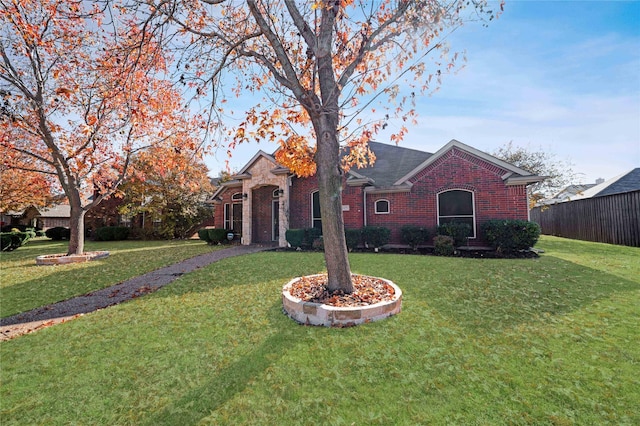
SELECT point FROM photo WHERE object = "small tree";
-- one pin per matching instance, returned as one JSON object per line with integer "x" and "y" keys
{"x": 173, "y": 193}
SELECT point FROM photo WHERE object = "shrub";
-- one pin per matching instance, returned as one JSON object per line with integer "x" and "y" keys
{"x": 10, "y": 241}
{"x": 217, "y": 235}
{"x": 40, "y": 234}
{"x": 295, "y": 237}
{"x": 443, "y": 245}
{"x": 456, "y": 230}
{"x": 203, "y": 234}
{"x": 318, "y": 244}
{"x": 311, "y": 234}
{"x": 413, "y": 236}
{"x": 58, "y": 233}
{"x": 353, "y": 237}
{"x": 375, "y": 236}
{"x": 302, "y": 237}
{"x": 17, "y": 228}
{"x": 112, "y": 233}
{"x": 510, "y": 236}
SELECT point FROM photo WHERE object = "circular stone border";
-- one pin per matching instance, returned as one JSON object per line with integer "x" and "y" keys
{"x": 63, "y": 259}
{"x": 311, "y": 313}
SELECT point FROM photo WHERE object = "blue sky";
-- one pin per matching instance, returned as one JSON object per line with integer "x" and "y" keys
{"x": 558, "y": 76}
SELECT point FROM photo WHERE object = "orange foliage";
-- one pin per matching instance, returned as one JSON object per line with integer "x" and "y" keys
{"x": 296, "y": 154}
{"x": 377, "y": 68}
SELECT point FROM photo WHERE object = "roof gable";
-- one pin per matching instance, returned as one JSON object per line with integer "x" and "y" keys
{"x": 260, "y": 154}
{"x": 514, "y": 173}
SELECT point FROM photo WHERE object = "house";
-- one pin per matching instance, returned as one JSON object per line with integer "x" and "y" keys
{"x": 404, "y": 187}
{"x": 40, "y": 217}
{"x": 625, "y": 182}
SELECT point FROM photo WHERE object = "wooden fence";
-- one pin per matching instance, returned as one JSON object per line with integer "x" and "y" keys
{"x": 613, "y": 219}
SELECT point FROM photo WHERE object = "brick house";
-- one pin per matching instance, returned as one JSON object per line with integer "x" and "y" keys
{"x": 403, "y": 187}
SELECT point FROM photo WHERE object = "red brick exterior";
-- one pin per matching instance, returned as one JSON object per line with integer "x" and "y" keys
{"x": 456, "y": 169}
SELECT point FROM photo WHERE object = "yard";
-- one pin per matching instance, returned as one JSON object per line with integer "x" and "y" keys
{"x": 551, "y": 340}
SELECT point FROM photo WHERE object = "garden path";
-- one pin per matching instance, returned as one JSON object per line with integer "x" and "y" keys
{"x": 44, "y": 316}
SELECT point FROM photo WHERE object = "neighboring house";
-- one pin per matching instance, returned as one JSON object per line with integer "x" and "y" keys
{"x": 40, "y": 217}
{"x": 626, "y": 182}
{"x": 51, "y": 217}
{"x": 403, "y": 187}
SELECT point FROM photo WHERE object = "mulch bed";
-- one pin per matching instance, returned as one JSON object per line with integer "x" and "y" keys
{"x": 367, "y": 291}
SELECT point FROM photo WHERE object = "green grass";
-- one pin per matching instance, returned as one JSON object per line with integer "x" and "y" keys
{"x": 548, "y": 341}
{"x": 25, "y": 286}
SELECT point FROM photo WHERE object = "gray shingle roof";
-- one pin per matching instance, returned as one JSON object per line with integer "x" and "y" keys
{"x": 626, "y": 183}
{"x": 392, "y": 163}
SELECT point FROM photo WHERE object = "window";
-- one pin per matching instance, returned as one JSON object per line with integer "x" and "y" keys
{"x": 316, "y": 219}
{"x": 236, "y": 197}
{"x": 125, "y": 220}
{"x": 457, "y": 206}
{"x": 382, "y": 207}
{"x": 227, "y": 216}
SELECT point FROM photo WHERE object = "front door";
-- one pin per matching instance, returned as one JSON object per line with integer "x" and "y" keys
{"x": 236, "y": 215}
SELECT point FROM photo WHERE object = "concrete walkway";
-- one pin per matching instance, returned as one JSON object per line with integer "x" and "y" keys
{"x": 27, "y": 322}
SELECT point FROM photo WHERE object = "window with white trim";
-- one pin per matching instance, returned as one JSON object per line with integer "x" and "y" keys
{"x": 383, "y": 207}
{"x": 316, "y": 218}
{"x": 227, "y": 216}
{"x": 457, "y": 205}
{"x": 237, "y": 196}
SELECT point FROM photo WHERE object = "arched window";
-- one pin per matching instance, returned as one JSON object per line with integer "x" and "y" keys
{"x": 457, "y": 205}
{"x": 316, "y": 218}
{"x": 382, "y": 207}
{"x": 237, "y": 196}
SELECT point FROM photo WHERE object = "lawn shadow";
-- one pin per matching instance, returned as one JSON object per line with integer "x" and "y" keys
{"x": 490, "y": 303}
{"x": 201, "y": 401}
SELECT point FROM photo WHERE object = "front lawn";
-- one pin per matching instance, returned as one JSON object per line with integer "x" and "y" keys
{"x": 25, "y": 286}
{"x": 548, "y": 341}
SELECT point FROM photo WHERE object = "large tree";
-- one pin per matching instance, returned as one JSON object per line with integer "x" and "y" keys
{"x": 82, "y": 91}
{"x": 320, "y": 64}
{"x": 20, "y": 187}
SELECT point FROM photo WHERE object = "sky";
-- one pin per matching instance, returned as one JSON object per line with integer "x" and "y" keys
{"x": 556, "y": 76}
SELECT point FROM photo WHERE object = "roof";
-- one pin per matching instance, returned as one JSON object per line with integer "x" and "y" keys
{"x": 626, "y": 182}
{"x": 392, "y": 162}
{"x": 60, "y": 210}
{"x": 395, "y": 166}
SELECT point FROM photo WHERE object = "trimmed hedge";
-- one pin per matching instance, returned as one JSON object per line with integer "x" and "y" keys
{"x": 414, "y": 236}
{"x": 217, "y": 235}
{"x": 353, "y": 237}
{"x": 58, "y": 233}
{"x": 456, "y": 230}
{"x": 112, "y": 233}
{"x": 375, "y": 236}
{"x": 213, "y": 235}
{"x": 302, "y": 237}
{"x": 203, "y": 234}
{"x": 510, "y": 236}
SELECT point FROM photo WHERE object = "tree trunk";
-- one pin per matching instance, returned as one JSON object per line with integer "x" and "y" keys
{"x": 330, "y": 185}
{"x": 76, "y": 226}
